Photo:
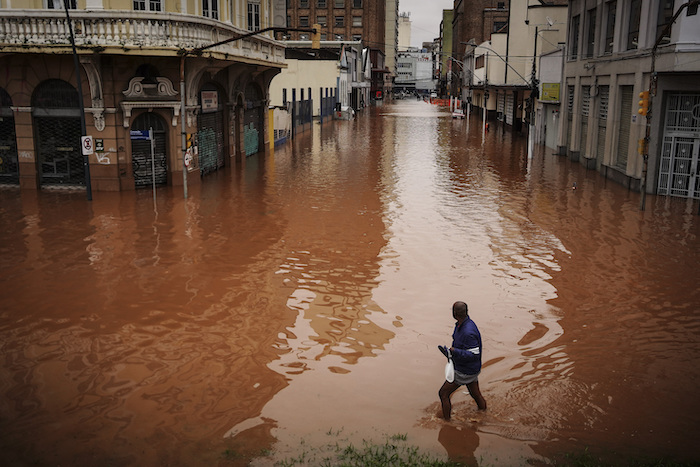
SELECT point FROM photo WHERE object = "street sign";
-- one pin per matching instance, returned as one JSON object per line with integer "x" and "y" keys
{"x": 88, "y": 145}
{"x": 140, "y": 135}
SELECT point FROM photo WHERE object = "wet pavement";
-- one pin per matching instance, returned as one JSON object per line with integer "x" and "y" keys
{"x": 302, "y": 296}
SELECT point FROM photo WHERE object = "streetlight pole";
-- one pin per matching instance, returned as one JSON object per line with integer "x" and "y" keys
{"x": 534, "y": 94}
{"x": 83, "y": 127}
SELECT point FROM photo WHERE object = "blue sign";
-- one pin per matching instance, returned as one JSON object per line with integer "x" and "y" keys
{"x": 140, "y": 134}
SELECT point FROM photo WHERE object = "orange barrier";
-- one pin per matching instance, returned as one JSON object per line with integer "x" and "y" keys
{"x": 443, "y": 102}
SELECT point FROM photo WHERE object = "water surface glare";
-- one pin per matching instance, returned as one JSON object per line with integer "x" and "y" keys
{"x": 299, "y": 299}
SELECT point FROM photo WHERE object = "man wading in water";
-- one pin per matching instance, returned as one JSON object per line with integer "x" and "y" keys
{"x": 466, "y": 354}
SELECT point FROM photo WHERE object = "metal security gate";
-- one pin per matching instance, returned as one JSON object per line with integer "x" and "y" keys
{"x": 56, "y": 112}
{"x": 253, "y": 119}
{"x": 9, "y": 166}
{"x": 509, "y": 108}
{"x": 585, "y": 112}
{"x": 569, "y": 114}
{"x": 603, "y": 104}
{"x": 141, "y": 163}
{"x": 679, "y": 171}
{"x": 211, "y": 134}
{"x": 626, "y": 98}
{"x": 500, "y": 106}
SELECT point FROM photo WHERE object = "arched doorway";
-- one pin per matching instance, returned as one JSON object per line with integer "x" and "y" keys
{"x": 9, "y": 166}
{"x": 253, "y": 130}
{"x": 141, "y": 161}
{"x": 57, "y": 132}
{"x": 211, "y": 134}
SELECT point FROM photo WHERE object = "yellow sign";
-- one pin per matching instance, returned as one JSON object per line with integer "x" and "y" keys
{"x": 550, "y": 92}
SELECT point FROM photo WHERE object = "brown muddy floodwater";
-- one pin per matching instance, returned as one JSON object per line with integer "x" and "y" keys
{"x": 299, "y": 299}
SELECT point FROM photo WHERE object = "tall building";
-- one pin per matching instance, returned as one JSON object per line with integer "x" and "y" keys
{"x": 135, "y": 60}
{"x": 447, "y": 65}
{"x": 477, "y": 19}
{"x": 340, "y": 20}
{"x": 617, "y": 49}
{"x": 404, "y": 32}
{"x": 347, "y": 21}
{"x": 501, "y": 72}
{"x": 392, "y": 39}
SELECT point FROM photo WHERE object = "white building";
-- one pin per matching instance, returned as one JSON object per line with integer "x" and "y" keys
{"x": 612, "y": 48}
{"x": 404, "y": 31}
{"x": 415, "y": 71}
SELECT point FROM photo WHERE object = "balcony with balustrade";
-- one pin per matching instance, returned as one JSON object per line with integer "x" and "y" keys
{"x": 132, "y": 33}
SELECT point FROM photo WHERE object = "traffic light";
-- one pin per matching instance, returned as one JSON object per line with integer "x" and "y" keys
{"x": 643, "y": 103}
{"x": 316, "y": 37}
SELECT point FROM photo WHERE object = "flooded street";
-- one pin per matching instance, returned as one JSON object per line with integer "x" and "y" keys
{"x": 300, "y": 299}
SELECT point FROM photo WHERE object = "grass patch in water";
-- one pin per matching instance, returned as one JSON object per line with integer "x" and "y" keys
{"x": 393, "y": 452}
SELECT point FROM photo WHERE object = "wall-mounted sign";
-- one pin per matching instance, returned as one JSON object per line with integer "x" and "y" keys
{"x": 550, "y": 92}
{"x": 210, "y": 101}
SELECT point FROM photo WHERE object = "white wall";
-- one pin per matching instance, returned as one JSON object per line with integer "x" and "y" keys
{"x": 304, "y": 74}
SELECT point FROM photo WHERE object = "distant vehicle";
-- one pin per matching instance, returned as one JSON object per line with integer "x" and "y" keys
{"x": 458, "y": 113}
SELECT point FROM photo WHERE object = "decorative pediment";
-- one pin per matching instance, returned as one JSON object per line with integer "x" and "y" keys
{"x": 161, "y": 89}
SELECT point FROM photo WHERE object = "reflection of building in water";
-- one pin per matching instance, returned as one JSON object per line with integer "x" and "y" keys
{"x": 331, "y": 283}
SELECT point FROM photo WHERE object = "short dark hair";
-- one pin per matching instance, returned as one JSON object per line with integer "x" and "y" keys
{"x": 460, "y": 309}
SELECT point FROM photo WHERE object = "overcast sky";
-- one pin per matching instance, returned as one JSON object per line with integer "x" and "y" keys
{"x": 425, "y": 18}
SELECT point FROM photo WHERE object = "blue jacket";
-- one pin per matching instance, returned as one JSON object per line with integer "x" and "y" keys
{"x": 466, "y": 344}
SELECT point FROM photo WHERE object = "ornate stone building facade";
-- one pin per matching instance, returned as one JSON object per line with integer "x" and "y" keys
{"x": 135, "y": 59}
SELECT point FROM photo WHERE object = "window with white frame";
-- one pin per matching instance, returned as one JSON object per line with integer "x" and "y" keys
{"x": 210, "y": 8}
{"x": 357, "y": 21}
{"x": 254, "y": 15}
{"x": 339, "y": 3}
{"x": 322, "y": 20}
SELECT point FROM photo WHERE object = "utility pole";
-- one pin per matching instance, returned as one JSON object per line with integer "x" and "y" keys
{"x": 534, "y": 94}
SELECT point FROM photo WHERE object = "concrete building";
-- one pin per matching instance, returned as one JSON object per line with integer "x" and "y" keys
{"x": 340, "y": 20}
{"x": 392, "y": 43}
{"x": 415, "y": 71}
{"x": 615, "y": 50}
{"x": 338, "y": 69}
{"x": 445, "y": 87}
{"x": 477, "y": 20}
{"x": 502, "y": 72}
{"x": 135, "y": 60}
{"x": 404, "y": 32}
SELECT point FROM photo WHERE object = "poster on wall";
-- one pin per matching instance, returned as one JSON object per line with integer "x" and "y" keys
{"x": 550, "y": 92}
{"x": 210, "y": 101}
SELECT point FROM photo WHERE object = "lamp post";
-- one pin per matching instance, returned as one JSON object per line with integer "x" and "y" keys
{"x": 532, "y": 84}
{"x": 534, "y": 94}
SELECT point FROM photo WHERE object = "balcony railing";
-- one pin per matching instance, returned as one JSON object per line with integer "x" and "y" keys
{"x": 114, "y": 31}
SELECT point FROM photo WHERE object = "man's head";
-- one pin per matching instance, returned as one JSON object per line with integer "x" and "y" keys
{"x": 460, "y": 311}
